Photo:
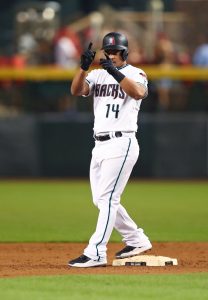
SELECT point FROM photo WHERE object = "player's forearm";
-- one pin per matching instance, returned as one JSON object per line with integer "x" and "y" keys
{"x": 133, "y": 89}
{"x": 78, "y": 83}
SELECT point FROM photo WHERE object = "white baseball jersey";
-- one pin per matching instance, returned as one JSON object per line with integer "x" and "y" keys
{"x": 114, "y": 110}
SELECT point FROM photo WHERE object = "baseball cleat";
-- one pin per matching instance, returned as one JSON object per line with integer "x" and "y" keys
{"x": 129, "y": 251}
{"x": 85, "y": 262}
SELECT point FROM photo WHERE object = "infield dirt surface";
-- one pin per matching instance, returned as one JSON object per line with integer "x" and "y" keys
{"x": 27, "y": 259}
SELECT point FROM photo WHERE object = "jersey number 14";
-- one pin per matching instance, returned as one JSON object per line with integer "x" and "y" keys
{"x": 112, "y": 108}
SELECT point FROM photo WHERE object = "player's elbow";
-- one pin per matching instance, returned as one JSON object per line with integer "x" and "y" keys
{"x": 140, "y": 93}
{"x": 139, "y": 96}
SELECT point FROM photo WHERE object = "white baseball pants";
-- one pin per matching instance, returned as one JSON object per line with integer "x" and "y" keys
{"x": 111, "y": 165}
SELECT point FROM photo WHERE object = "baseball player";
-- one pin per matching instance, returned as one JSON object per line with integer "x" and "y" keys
{"x": 118, "y": 89}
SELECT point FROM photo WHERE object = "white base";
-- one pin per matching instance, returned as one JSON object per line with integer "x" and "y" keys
{"x": 146, "y": 260}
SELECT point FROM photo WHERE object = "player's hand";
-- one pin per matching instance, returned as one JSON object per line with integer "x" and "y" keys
{"x": 87, "y": 58}
{"x": 107, "y": 64}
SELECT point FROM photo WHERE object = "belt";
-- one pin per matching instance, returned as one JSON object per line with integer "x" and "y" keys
{"x": 106, "y": 137}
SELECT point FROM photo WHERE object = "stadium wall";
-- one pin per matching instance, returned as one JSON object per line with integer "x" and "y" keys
{"x": 54, "y": 145}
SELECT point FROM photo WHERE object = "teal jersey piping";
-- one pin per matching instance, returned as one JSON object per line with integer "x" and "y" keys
{"x": 109, "y": 207}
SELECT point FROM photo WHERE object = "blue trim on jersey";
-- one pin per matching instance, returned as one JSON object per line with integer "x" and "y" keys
{"x": 111, "y": 198}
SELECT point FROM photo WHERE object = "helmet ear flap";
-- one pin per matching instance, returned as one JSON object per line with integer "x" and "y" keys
{"x": 124, "y": 54}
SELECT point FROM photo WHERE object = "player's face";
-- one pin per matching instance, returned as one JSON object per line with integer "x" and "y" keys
{"x": 115, "y": 56}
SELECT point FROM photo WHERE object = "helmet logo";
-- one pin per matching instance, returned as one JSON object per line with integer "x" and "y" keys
{"x": 112, "y": 41}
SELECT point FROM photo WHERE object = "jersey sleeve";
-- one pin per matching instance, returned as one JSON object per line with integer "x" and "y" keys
{"x": 141, "y": 78}
{"x": 90, "y": 80}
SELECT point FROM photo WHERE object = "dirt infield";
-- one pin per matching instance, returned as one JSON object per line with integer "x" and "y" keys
{"x": 27, "y": 259}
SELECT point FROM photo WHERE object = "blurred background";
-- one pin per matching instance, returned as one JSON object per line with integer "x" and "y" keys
{"x": 46, "y": 132}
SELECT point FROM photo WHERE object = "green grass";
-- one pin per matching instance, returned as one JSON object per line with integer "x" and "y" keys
{"x": 102, "y": 287}
{"x": 63, "y": 210}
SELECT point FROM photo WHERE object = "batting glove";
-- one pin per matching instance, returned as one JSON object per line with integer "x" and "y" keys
{"x": 107, "y": 64}
{"x": 87, "y": 58}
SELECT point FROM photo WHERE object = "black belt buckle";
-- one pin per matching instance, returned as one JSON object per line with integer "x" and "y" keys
{"x": 118, "y": 134}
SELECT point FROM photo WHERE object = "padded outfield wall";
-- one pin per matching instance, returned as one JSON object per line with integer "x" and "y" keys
{"x": 172, "y": 146}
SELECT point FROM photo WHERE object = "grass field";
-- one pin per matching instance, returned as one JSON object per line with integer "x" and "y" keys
{"x": 63, "y": 211}
{"x": 59, "y": 211}
{"x": 103, "y": 287}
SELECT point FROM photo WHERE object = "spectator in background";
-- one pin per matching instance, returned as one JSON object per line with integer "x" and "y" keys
{"x": 200, "y": 57}
{"x": 27, "y": 48}
{"x": 44, "y": 52}
{"x": 200, "y": 88}
{"x": 67, "y": 48}
{"x": 137, "y": 54}
{"x": 165, "y": 57}
{"x": 66, "y": 53}
{"x": 168, "y": 55}
{"x": 35, "y": 50}
{"x": 10, "y": 90}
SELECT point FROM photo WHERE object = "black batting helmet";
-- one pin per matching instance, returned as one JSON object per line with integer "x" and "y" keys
{"x": 116, "y": 41}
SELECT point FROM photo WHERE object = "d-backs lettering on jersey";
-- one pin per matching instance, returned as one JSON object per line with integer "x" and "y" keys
{"x": 106, "y": 90}
{"x": 114, "y": 109}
